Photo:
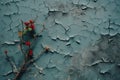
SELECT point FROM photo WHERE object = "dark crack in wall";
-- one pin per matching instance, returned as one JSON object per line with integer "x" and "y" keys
{"x": 83, "y": 36}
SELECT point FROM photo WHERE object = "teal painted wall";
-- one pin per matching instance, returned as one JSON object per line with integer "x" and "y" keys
{"x": 83, "y": 36}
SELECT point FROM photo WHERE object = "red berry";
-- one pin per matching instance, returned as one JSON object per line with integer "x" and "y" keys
{"x": 32, "y": 26}
{"x": 31, "y": 21}
{"x": 27, "y": 43}
{"x": 26, "y": 23}
{"x": 5, "y": 51}
{"x": 30, "y": 52}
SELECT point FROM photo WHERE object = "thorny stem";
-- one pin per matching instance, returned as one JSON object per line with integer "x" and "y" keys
{"x": 26, "y": 61}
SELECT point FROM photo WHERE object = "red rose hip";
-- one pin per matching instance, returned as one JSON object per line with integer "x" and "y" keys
{"x": 27, "y": 43}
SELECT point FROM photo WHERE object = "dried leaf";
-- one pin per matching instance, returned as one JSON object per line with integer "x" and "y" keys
{"x": 20, "y": 33}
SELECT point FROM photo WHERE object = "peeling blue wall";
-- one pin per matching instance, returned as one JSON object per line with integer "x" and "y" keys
{"x": 83, "y": 36}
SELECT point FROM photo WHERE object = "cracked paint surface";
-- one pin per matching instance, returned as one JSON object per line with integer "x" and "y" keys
{"x": 83, "y": 36}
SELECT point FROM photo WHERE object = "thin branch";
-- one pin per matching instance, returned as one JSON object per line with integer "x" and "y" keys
{"x": 38, "y": 34}
{"x": 14, "y": 68}
{"x": 25, "y": 65}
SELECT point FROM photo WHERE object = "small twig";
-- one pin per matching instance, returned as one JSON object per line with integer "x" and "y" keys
{"x": 22, "y": 24}
{"x": 14, "y": 68}
{"x": 40, "y": 31}
{"x": 21, "y": 71}
{"x": 21, "y": 41}
{"x": 22, "y": 49}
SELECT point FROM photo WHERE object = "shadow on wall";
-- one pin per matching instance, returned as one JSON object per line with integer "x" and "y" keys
{"x": 99, "y": 62}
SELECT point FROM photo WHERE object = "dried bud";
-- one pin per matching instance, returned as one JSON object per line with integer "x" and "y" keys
{"x": 47, "y": 48}
{"x": 26, "y": 23}
{"x": 31, "y": 21}
{"x": 5, "y": 51}
{"x": 20, "y": 33}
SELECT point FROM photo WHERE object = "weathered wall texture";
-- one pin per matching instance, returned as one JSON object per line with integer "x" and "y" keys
{"x": 83, "y": 36}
